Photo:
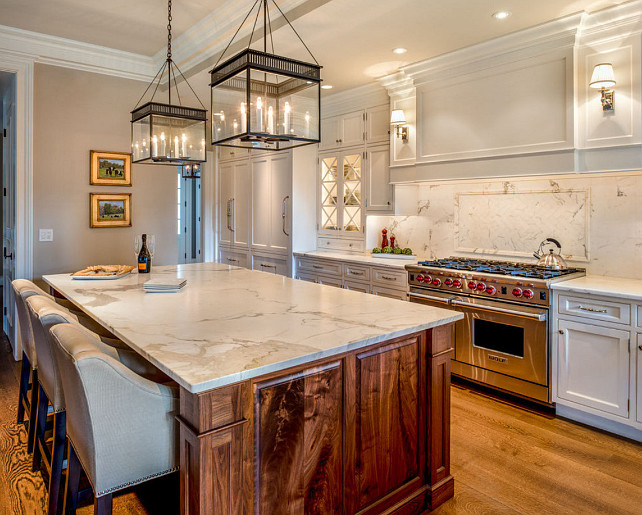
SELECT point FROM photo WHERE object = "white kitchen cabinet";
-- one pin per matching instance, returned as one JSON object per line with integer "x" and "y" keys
{"x": 225, "y": 200}
{"x": 234, "y": 204}
{"x": 593, "y": 366}
{"x": 271, "y": 205}
{"x": 389, "y": 292}
{"x": 638, "y": 353}
{"x": 345, "y": 130}
{"x": 232, "y": 153}
{"x": 341, "y": 193}
{"x": 233, "y": 257}
{"x": 271, "y": 264}
{"x": 378, "y": 125}
{"x": 356, "y": 286}
{"x": 306, "y": 276}
{"x": 379, "y": 191}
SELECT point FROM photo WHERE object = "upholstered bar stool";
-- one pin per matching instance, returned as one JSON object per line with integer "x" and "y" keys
{"x": 121, "y": 427}
{"x": 44, "y": 314}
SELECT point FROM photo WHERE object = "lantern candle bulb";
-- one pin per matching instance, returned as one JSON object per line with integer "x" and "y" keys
{"x": 243, "y": 118}
{"x": 307, "y": 124}
{"x": 175, "y": 146}
{"x": 286, "y": 117}
{"x": 154, "y": 146}
{"x": 163, "y": 145}
{"x": 183, "y": 140}
{"x": 259, "y": 114}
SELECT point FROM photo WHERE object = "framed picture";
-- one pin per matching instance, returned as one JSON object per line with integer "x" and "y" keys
{"x": 110, "y": 168}
{"x": 110, "y": 209}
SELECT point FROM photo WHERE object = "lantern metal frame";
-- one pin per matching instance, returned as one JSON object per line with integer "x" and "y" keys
{"x": 168, "y": 110}
{"x": 238, "y": 69}
{"x": 191, "y": 171}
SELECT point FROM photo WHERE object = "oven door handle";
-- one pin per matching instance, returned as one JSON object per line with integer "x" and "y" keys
{"x": 537, "y": 316}
{"x": 430, "y": 297}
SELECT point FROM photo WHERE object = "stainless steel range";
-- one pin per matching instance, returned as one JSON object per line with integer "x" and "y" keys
{"x": 503, "y": 340}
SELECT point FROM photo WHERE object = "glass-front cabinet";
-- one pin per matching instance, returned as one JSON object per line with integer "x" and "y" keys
{"x": 341, "y": 199}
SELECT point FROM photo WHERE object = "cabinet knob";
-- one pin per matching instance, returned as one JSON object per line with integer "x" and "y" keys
{"x": 561, "y": 331}
{"x": 640, "y": 347}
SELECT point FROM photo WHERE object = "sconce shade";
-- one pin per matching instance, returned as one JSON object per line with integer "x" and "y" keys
{"x": 397, "y": 117}
{"x": 603, "y": 76}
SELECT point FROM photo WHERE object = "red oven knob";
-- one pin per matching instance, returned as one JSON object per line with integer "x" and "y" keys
{"x": 457, "y": 283}
{"x": 420, "y": 278}
{"x": 491, "y": 290}
{"x": 448, "y": 282}
{"x": 481, "y": 286}
{"x": 517, "y": 292}
{"x": 427, "y": 279}
{"x": 436, "y": 282}
{"x": 528, "y": 294}
{"x": 472, "y": 285}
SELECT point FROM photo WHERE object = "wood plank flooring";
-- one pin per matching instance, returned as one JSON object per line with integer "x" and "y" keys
{"x": 505, "y": 461}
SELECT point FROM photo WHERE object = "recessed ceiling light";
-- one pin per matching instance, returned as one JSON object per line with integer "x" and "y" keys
{"x": 501, "y": 15}
{"x": 400, "y": 50}
{"x": 326, "y": 86}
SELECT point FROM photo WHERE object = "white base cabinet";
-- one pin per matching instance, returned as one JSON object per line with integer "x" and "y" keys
{"x": 597, "y": 361}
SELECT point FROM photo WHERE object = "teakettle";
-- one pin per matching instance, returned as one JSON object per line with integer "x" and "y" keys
{"x": 550, "y": 260}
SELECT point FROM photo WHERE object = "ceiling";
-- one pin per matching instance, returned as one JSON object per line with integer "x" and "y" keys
{"x": 352, "y": 39}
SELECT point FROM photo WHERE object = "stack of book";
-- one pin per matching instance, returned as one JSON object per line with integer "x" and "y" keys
{"x": 164, "y": 285}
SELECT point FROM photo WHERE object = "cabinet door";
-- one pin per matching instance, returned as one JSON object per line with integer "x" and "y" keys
{"x": 280, "y": 202}
{"x": 270, "y": 264}
{"x": 330, "y": 281}
{"x": 225, "y": 196}
{"x": 593, "y": 366}
{"x": 233, "y": 258}
{"x": 378, "y": 124}
{"x": 261, "y": 203}
{"x": 379, "y": 189}
{"x": 305, "y": 276}
{"x": 351, "y": 181}
{"x": 241, "y": 204}
{"x": 389, "y": 292}
{"x": 351, "y": 129}
{"x": 329, "y": 192}
{"x": 330, "y": 132}
{"x": 356, "y": 286}
{"x": 639, "y": 381}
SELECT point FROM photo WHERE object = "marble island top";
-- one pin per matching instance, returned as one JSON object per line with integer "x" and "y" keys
{"x": 230, "y": 324}
{"x": 619, "y": 287}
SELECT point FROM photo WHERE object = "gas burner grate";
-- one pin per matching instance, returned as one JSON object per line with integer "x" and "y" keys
{"x": 498, "y": 267}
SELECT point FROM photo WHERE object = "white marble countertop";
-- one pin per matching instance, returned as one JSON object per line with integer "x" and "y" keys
{"x": 230, "y": 324}
{"x": 620, "y": 287}
{"x": 365, "y": 258}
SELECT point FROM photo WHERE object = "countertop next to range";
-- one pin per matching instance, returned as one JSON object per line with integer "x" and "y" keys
{"x": 364, "y": 259}
{"x": 617, "y": 287}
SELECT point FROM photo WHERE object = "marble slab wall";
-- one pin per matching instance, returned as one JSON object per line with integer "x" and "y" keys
{"x": 596, "y": 217}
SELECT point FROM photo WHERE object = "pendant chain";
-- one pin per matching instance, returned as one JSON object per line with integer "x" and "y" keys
{"x": 169, "y": 30}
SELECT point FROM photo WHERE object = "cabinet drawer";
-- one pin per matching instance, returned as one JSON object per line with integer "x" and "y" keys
{"x": 390, "y": 278}
{"x": 319, "y": 266}
{"x": 389, "y": 292}
{"x": 232, "y": 258}
{"x": 356, "y": 286}
{"x": 340, "y": 244}
{"x": 304, "y": 276}
{"x": 360, "y": 273}
{"x": 228, "y": 153}
{"x": 330, "y": 280}
{"x": 615, "y": 312}
{"x": 270, "y": 264}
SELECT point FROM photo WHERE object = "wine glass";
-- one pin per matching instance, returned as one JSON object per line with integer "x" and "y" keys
{"x": 136, "y": 245}
{"x": 151, "y": 245}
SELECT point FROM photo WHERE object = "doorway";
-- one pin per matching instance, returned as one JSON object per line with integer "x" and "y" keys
{"x": 189, "y": 219}
{"x": 7, "y": 197}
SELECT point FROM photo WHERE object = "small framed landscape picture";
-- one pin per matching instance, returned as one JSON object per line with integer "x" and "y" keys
{"x": 111, "y": 168}
{"x": 110, "y": 209}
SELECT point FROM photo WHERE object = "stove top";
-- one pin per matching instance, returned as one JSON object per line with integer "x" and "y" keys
{"x": 488, "y": 266}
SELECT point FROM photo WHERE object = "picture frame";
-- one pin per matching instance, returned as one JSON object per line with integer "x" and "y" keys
{"x": 110, "y": 210}
{"x": 110, "y": 168}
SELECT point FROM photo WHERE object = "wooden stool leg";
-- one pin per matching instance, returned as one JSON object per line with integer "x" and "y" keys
{"x": 43, "y": 404}
{"x": 33, "y": 411}
{"x": 73, "y": 480}
{"x": 25, "y": 369}
{"x": 57, "y": 456}
{"x": 102, "y": 505}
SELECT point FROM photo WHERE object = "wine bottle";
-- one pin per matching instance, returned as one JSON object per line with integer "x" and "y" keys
{"x": 144, "y": 258}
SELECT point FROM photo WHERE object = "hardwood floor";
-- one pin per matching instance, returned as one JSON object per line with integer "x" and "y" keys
{"x": 505, "y": 461}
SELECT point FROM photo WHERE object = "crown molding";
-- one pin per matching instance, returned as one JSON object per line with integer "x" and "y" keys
{"x": 611, "y": 23}
{"x": 42, "y": 48}
{"x": 353, "y": 99}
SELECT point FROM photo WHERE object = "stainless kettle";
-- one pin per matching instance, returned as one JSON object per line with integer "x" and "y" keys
{"x": 550, "y": 260}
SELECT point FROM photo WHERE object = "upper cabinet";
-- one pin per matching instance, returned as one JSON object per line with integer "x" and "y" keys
{"x": 346, "y": 130}
{"x": 341, "y": 193}
{"x": 377, "y": 121}
{"x": 379, "y": 192}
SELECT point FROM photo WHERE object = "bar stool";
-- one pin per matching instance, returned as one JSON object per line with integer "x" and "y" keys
{"x": 122, "y": 429}
{"x": 44, "y": 314}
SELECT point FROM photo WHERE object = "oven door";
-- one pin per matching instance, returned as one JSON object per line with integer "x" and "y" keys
{"x": 505, "y": 338}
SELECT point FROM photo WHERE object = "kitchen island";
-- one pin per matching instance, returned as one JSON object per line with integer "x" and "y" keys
{"x": 295, "y": 397}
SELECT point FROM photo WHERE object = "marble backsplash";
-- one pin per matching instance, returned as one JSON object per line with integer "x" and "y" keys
{"x": 596, "y": 217}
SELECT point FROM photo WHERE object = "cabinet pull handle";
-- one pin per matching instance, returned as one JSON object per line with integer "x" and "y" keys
{"x": 263, "y": 265}
{"x": 640, "y": 347}
{"x": 317, "y": 267}
{"x": 592, "y": 310}
{"x": 561, "y": 331}
{"x": 283, "y": 215}
{"x": 388, "y": 278}
{"x": 232, "y": 260}
{"x": 352, "y": 272}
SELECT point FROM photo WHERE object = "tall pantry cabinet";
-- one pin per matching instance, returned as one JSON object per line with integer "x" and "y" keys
{"x": 254, "y": 209}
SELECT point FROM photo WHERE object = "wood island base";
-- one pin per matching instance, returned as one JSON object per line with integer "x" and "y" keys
{"x": 364, "y": 432}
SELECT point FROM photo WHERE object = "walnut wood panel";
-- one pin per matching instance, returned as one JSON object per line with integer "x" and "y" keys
{"x": 387, "y": 416}
{"x": 299, "y": 443}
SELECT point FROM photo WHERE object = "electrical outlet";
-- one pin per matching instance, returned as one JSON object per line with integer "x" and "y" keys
{"x": 46, "y": 234}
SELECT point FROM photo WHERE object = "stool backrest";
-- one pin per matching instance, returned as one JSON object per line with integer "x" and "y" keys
{"x": 22, "y": 289}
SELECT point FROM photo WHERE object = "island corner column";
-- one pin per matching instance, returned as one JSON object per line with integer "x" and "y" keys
{"x": 366, "y": 431}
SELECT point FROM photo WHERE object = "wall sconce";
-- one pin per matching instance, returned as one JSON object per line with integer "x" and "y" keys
{"x": 398, "y": 121}
{"x": 603, "y": 78}
{"x": 191, "y": 171}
